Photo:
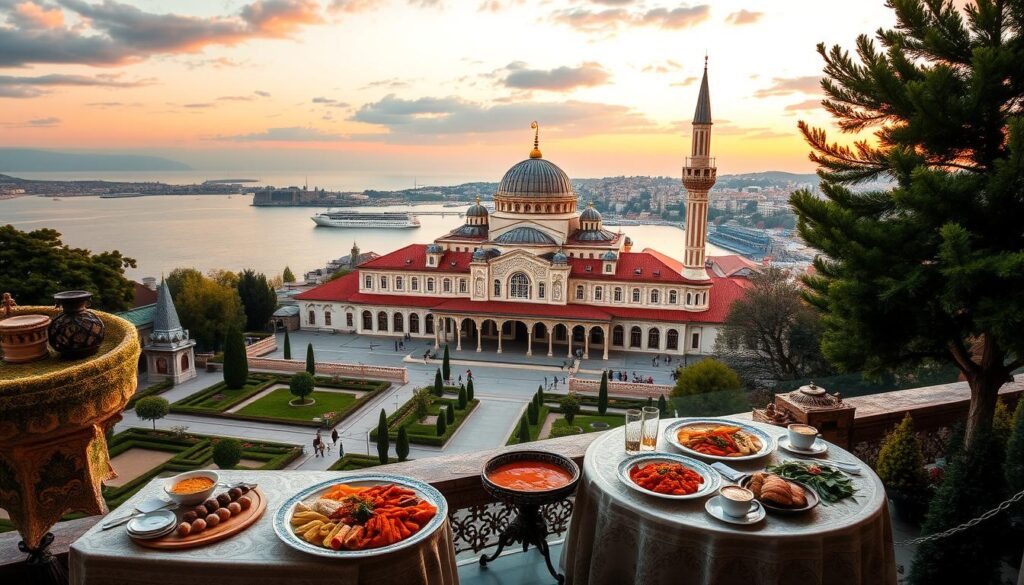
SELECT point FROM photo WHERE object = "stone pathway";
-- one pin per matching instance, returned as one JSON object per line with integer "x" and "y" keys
{"x": 545, "y": 429}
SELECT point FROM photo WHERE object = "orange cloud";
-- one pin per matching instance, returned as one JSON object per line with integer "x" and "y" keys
{"x": 32, "y": 14}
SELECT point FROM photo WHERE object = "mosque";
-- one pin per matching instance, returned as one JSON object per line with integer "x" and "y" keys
{"x": 539, "y": 275}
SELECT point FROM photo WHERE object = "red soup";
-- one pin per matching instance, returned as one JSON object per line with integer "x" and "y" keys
{"x": 530, "y": 476}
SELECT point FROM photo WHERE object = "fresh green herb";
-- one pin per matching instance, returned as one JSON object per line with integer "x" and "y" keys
{"x": 830, "y": 484}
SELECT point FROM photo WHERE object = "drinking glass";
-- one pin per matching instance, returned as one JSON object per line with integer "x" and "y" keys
{"x": 633, "y": 429}
{"x": 649, "y": 428}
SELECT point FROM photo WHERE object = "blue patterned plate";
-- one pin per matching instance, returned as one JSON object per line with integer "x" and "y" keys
{"x": 768, "y": 442}
{"x": 711, "y": 478}
{"x": 283, "y": 516}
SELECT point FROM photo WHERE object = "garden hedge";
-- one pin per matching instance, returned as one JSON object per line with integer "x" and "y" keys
{"x": 404, "y": 416}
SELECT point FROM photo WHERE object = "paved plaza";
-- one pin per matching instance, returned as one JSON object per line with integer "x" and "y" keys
{"x": 504, "y": 383}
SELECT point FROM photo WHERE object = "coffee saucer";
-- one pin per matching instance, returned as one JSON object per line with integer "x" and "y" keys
{"x": 819, "y": 447}
{"x": 714, "y": 508}
{"x": 152, "y": 525}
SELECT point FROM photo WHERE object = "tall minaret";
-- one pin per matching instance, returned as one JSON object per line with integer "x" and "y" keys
{"x": 699, "y": 174}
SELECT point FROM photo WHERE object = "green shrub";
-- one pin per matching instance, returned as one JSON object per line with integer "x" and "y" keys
{"x": 602, "y": 395}
{"x": 524, "y": 430}
{"x": 1002, "y": 422}
{"x": 236, "y": 363}
{"x": 438, "y": 384}
{"x": 446, "y": 366}
{"x": 287, "y": 346}
{"x": 663, "y": 405}
{"x": 152, "y": 408}
{"x": 441, "y": 424}
{"x": 463, "y": 398}
{"x": 565, "y": 431}
{"x": 570, "y": 406}
{"x": 1015, "y": 451}
{"x": 532, "y": 412}
{"x": 469, "y": 389}
{"x": 540, "y": 395}
{"x": 152, "y": 390}
{"x": 227, "y": 453}
{"x": 383, "y": 441}
{"x": 901, "y": 460}
{"x": 421, "y": 403}
{"x": 301, "y": 386}
{"x": 310, "y": 360}
{"x": 449, "y": 413}
{"x": 704, "y": 377}
{"x": 402, "y": 446}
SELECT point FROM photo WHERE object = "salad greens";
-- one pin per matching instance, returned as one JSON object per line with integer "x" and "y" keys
{"x": 830, "y": 484}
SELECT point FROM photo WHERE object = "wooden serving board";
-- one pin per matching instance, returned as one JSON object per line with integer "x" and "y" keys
{"x": 232, "y": 526}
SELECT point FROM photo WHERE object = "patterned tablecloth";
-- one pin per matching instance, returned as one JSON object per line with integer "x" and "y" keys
{"x": 618, "y": 535}
{"x": 255, "y": 556}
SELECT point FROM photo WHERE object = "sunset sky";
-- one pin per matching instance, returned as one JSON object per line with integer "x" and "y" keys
{"x": 419, "y": 85}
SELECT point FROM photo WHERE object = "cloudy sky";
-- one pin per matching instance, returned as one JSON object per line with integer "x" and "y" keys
{"x": 419, "y": 85}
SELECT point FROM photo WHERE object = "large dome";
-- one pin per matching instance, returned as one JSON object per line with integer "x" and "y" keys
{"x": 535, "y": 177}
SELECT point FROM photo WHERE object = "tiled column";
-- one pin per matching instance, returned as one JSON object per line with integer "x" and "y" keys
{"x": 500, "y": 327}
{"x": 479, "y": 336}
{"x": 529, "y": 340}
{"x": 458, "y": 334}
{"x": 568, "y": 338}
{"x": 551, "y": 338}
{"x": 586, "y": 343}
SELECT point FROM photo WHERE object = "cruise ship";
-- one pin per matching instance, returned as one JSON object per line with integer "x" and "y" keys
{"x": 367, "y": 219}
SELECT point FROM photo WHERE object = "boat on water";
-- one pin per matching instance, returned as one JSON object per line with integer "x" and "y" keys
{"x": 367, "y": 219}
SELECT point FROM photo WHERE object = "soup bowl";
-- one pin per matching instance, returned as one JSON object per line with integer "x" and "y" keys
{"x": 530, "y": 497}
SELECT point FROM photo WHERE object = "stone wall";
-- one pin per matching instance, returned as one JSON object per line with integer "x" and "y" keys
{"x": 262, "y": 347}
{"x": 332, "y": 369}
{"x": 585, "y": 386}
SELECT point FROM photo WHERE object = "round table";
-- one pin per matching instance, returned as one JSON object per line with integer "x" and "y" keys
{"x": 618, "y": 535}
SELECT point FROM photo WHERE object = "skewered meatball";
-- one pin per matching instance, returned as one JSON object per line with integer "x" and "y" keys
{"x": 223, "y": 499}
{"x": 244, "y": 502}
{"x": 235, "y": 508}
{"x": 198, "y": 525}
{"x": 223, "y": 514}
{"x": 211, "y": 505}
{"x": 190, "y": 516}
{"x": 234, "y": 493}
{"x": 200, "y": 511}
{"x": 212, "y": 520}
{"x": 244, "y": 488}
{"x": 184, "y": 528}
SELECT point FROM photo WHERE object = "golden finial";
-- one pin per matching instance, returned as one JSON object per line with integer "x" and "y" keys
{"x": 590, "y": 203}
{"x": 478, "y": 200}
{"x": 535, "y": 153}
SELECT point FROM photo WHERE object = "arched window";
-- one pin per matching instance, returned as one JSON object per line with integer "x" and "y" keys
{"x": 636, "y": 295}
{"x": 367, "y": 321}
{"x": 414, "y": 323}
{"x": 161, "y": 365}
{"x": 519, "y": 286}
{"x": 689, "y": 298}
{"x": 446, "y": 285}
{"x": 430, "y": 285}
{"x": 673, "y": 297}
{"x": 634, "y": 337}
{"x": 653, "y": 338}
{"x": 312, "y": 317}
{"x": 397, "y": 323}
{"x": 655, "y": 297}
{"x": 617, "y": 295}
{"x": 529, "y": 208}
{"x": 672, "y": 339}
{"x": 617, "y": 335}
{"x": 580, "y": 292}
{"x": 399, "y": 283}
{"x": 327, "y": 318}
{"x": 497, "y": 288}
{"x": 382, "y": 321}
{"x": 184, "y": 362}
{"x": 414, "y": 283}
{"x": 540, "y": 290}
{"x": 428, "y": 324}
{"x": 367, "y": 281}
{"x": 598, "y": 293}
{"x": 705, "y": 298}
{"x": 348, "y": 319}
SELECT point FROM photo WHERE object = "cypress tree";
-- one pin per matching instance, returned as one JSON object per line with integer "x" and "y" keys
{"x": 463, "y": 398}
{"x": 524, "y": 430}
{"x": 446, "y": 366}
{"x": 650, "y": 401}
{"x": 469, "y": 389}
{"x": 438, "y": 384}
{"x": 540, "y": 392}
{"x": 441, "y": 424}
{"x": 236, "y": 363}
{"x": 663, "y": 405}
{"x": 310, "y": 362}
{"x": 449, "y": 414}
{"x": 287, "y": 346}
{"x": 531, "y": 413}
{"x": 402, "y": 446}
{"x": 383, "y": 441}
{"x": 602, "y": 395}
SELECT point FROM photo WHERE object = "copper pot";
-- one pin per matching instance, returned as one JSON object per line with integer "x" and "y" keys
{"x": 23, "y": 338}
{"x": 76, "y": 332}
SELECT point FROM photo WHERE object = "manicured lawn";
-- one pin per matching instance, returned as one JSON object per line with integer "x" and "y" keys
{"x": 513, "y": 439}
{"x": 275, "y": 405}
{"x": 357, "y": 461}
{"x": 425, "y": 434}
{"x": 583, "y": 421}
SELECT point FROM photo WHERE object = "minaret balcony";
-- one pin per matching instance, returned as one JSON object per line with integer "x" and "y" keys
{"x": 699, "y": 173}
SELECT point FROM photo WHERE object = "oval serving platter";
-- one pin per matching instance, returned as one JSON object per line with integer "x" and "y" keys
{"x": 812, "y": 499}
{"x": 282, "y": 518}
{"x": 709, "y": 487}
{"x": 768, "y": 442}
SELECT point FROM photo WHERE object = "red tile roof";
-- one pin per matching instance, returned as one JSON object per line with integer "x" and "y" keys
{"x": 346, "y": 289}
{"x": 414, "y": 257}
{"x": 730, "y": 264}
{"x": 653, "y": 267}
{"x": 143, "y": 295}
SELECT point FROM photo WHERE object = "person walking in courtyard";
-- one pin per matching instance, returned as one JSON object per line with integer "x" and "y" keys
{"x": 334, "y": 436}
{"x": 316, "y": 445}
{"x": 341, "y": 449}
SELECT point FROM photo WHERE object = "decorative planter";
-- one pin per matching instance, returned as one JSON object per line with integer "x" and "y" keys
{"x": 23, "y": 338}
{"x": 76, "y": 332}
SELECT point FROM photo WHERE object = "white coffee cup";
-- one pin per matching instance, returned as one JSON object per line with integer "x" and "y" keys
{"x": 736, "y": 501}
{"x": 802, "y": 436}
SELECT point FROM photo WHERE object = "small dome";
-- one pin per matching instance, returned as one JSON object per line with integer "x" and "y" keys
{"x": 480, "y": 254}
{"x": 559, "y": 258}
{"x": 476, "y": 210}
{"x": 594, "y": 236}
{"x": 629, "y": 241}
{"x": 535, "y": 177}
{"x": 525, "y": 235}
{"x": 590, "y": 214}
{"x": 434, "y": 249}
{"x": 470, "y": 231}
{"x": 609, "y": 256}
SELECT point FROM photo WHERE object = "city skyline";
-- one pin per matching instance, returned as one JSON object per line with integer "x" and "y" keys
{"x": 421, "y": 86}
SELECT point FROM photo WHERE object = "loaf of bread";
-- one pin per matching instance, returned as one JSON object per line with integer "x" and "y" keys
{"x": 798, "y": 495}
{"x": 776, "y": 490}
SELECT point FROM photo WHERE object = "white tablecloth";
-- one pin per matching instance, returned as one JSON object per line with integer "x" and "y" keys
{"x": 618, "y": 535}
{"x": 255, "y": 556}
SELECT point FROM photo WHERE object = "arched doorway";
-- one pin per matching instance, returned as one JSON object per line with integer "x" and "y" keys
{"x": 367, "y": 321}
{"x": 184, "y": 362}
{"x": 382, "y": 322}
{"x": 414, "y": 323}
{"x": 672, "y": 339}
{"x": 635, "y": 336}
{"x": 653, "y": 338}
{"x": 397, "y": 323}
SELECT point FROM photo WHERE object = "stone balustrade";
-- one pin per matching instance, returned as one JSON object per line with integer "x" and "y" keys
{"x": 262, "y": 347}
{"x": 332, "y": 368}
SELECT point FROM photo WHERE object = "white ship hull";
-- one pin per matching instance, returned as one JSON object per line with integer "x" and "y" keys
{"x": 369, "y": 222}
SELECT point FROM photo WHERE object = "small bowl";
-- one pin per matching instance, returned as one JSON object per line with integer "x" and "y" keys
{"x": 539, "y": 497}
{"x": 195, "y": 497}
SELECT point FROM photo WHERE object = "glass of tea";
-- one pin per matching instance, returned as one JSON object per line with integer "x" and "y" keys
{"x": 649, "y": 428}
{"x": 634, "y": 430}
